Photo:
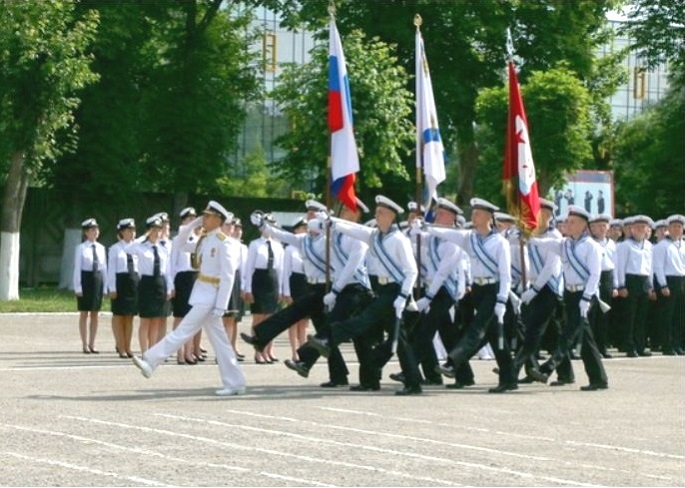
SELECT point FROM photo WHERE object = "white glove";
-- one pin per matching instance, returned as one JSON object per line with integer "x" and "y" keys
{"x": 315, "y": 225}
{"x": 528, "y": 295}
{"x": 423, "y": 304}
{"x": 257, "y": 219}
{"x": 416, "y": 227}
{"x": 500, "y": 310}
{"x": 399, "y": 304}
{"x": 584, "y": 307}
{"x": 329, "y": 300}
{"x": 218, "y": 312}
{"x": 322, "y": 216}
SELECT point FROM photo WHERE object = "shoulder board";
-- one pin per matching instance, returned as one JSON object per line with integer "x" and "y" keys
{"x": 221, "y": 236}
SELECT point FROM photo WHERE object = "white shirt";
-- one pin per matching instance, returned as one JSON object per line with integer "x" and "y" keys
{"x": 83, "y": 261}
{"x": 180, "y": 256}
{"x": 118, "y": 263}
{"x": 494, "y": 245}
{"x": 442, "y": 264}
{"x": 312, "y": 248}
{"x": 544, "y": 267}
{"x": 143, "y": 249}
{"x": 348, "y": 259}
{"x": 257, "y": 258}
{"x": 668, "y": 259}
{"x": 292, "y": 263}
{"x": 633, "y": 258}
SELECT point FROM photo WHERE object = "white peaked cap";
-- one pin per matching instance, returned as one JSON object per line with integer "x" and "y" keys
{"x": 314, "y": 205}
{"x": 504, "y": 217}
{"x": 600, "y": 218}
{"x": 382, "y": 201}
{"x": 88, "y": 223}
{"x": 447, "y": 205}
{"x": 216, "y": 208}
{"x": 481, "y": 204}
{"x": 579, "y": 212}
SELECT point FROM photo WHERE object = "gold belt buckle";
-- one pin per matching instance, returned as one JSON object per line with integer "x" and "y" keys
{"x": 382, "y": 280}
{"x": 311, "y": 280}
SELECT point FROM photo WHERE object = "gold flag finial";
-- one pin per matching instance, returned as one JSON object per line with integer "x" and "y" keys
{"x": 418, "y": 20}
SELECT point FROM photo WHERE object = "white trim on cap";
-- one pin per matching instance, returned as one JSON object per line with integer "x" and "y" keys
{"x": 154, "y": 221}
{"x": 215, "y": 207}
{"x": 601, "y": 218}
{"x": 447, "y": 205}
{"x": 549, "y": 204}
{"x": 387, "y": 203}
{"x": 187, "y": 211}
{"x": 126, "y": 224}
{"x": 314, "y": 205}
{"x": 504, "y": 217}
{"x": 579, "y": 212}
{"x": 91, "y": 222}
{"x": 481, "y": 204}
{"x": 676, "y": 218}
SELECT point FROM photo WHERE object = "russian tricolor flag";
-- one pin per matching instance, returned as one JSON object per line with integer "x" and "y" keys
{"x": 344, "y": 156}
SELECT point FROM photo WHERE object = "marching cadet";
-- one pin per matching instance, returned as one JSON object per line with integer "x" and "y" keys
{"x": 90, "y": 271}
{"x": 295, "y": 287}
{"x": 669, "y": 268}
{"x": 156, "y": 286}
{"x": 581, "y": 258}
{"x": 312, "y": 247}
{"x": 392, "y": 270}
{"x": 541, "y": 299}
{"x": 122, "y": 282}
{"x": 615, "y": 230}
{"x": 660, "y": 230}
{"x": 634, "y": 270}
{"x": 183, "y": 273}
{"x": 490, "y": 259}
{"x": 263, "y": 274}
{"x": 444, "y": 279}
{"x": 608, "y": 281}
{"x": 208, "y": 300}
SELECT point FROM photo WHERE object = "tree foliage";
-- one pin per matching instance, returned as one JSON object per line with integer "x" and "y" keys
{"x": 381, "y": 106}
{"x": 558, "y": 108}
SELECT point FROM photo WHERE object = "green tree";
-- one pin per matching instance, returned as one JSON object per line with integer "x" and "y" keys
{"x": 558, "y": 108}
{"x": 380, "y": 103}
{"x": 465, "y": 46}
{"x": 43, "y": 65}
{"x": 251, "y": 177}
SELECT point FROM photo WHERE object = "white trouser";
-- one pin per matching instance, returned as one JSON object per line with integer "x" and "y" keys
{"x": 201, "y": 315}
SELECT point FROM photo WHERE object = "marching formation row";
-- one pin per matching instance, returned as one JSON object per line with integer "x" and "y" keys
{"x": 390, "y": 290}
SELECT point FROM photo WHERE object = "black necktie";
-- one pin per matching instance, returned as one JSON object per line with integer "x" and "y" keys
{"x": 96, "y": 263}
{"x": 155, "y": 264}
{"x": 270, "y": 254}
{"x": 129, "y": 264}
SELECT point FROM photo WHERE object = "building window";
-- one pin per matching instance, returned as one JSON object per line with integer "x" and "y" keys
{"x": 269, "y": 54}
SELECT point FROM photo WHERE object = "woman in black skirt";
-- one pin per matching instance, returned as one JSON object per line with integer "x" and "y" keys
{"x": 294, "y": 287}
{"x": 90, "y": 268}
{"x": 156, "y": 286}
{"x": 236, "y": 305}
{"x": 122, "y": 282}
{"x": 263, "y": 270}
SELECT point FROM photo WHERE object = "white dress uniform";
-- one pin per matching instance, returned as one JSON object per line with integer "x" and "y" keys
{"x": 209, "y": 299}
{"x": 84, "y": 262}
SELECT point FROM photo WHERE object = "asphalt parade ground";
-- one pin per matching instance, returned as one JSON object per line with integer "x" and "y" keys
{"x": 70, "y": 419}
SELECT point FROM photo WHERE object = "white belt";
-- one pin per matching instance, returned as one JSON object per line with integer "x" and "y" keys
{"x": 484, "y": 281}
{"x": 315, "y": 281}
{"x": 384, "y": 280}
{"x": 575, "y": 288}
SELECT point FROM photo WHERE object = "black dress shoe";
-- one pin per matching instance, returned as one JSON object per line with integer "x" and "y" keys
{"x": 526, "y": 380}
{"x": 333, "y": 384}
{"x": 458, "y": 385}
{"x": 669, "y": 353}
{"x": 409, "y": 390}
{"x": 562, "y": 382}
{"x": 298, "y": 366}
{"x": 399, "y": 377}
{"x": 445, "y": 370}
{"x": 365, "y": 388}
{"x": 606, "y": 355}
{"x": 320, "y": 345}
{"x": 631, "y": 354}
{"x": 252, "y": 340}
{"x": 644, "y": 354}
{"x": 431, "y": 381}
{"x": 538, "y": 375}
{"x": 503, "y": 388}
{"x": 594, "y": 387}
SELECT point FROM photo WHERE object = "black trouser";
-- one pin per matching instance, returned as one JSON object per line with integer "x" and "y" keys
{"x": 575, "y": 326}
{"x": 671, "y": 319}
{"x": 635, "y": 313}
{"x": 484, "y": 326}
{"x": 436, "y": 319}
{"x": 380, "y": 313}
{"x": 599, "y": 321}
{"x": 535, "y": 316}
{"x": 349, "y": 302}
{"x": 309, "y": 305}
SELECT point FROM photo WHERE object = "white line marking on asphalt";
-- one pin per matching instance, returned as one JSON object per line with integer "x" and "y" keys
{"x": 443, "y": 460}
{"x": 262, "y": 450}
{"x": 51, "y": 462}
{"x": 585, "y": 444}
{"x": 148, "y": 452}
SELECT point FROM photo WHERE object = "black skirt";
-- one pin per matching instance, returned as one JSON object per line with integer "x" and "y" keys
{"x": 91, "y": 285}
{"x": 126, "y": 302}
{"x": 265, "y": 291}
{"x": 298, "y": 285}
{"x": 236, "y": 304}
{"x": 183, "y": 286}
{"x": 152, "y": 293}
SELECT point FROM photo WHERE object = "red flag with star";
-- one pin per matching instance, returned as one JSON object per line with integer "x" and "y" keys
{"x": 520, "y": 183}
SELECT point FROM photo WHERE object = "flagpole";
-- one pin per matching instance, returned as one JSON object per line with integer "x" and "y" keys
{"x": 419, "y": 155}
{"x": 329, "y": 169}
{"x": 523, "y": 229}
